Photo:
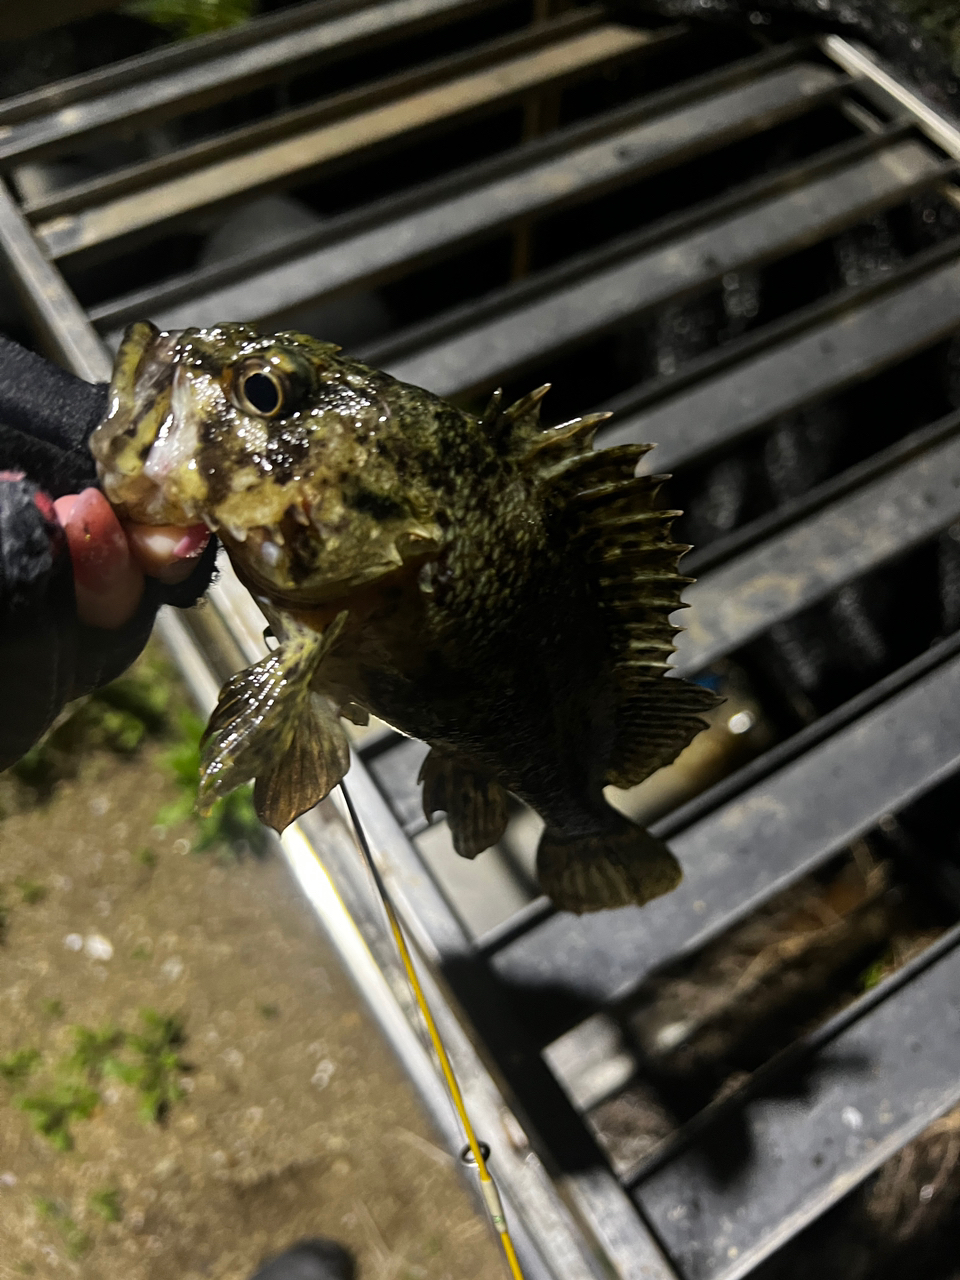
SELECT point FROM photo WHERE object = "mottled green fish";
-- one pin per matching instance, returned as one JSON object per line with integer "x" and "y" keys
{"x": 495, "y": 588}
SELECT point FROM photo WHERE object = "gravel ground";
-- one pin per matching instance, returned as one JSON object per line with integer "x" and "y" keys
{"x": 294, "y": 1118}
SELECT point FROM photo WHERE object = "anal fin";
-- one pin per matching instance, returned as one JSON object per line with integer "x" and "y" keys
{"x": 267, "y": 721}
{"x": 475, "y": 803}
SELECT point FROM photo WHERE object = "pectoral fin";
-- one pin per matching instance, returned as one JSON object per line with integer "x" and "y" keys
{"x": 267, "y": 717}
{"x": 316, "y": 760}
{"x": 475, "y": 804}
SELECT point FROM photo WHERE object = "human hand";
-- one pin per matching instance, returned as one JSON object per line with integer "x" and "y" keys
{"x": 110, "y": 559}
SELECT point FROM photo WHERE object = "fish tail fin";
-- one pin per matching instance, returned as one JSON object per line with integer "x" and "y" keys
{"x": 620, "y": 867}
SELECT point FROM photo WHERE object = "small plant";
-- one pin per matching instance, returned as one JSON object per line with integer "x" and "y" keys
{"x": 232, "y": 821}
{"x": 52, "y": 1113}
{"x": 31, "y": 891}
{"x": 18, "y": 1067}
{"x": 155, "y": 1075}
{"x": 106, "y": 1203}
{"x": 153, "y": 1072}
{"x": 52, "y": 1008}
{"x": 875, "y": 973}
{"x": 75, "y": 1240}
{"x": 146, "y": 858}
{"x": 94, "y": 1052}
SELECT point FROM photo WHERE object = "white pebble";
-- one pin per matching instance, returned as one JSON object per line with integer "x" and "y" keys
{"x": 98, "y": 947}
{"x": 323, "y": 1074}
{"x": 73, "y": 942}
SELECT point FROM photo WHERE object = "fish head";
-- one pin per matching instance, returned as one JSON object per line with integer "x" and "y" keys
{"x": 300, "y": 460}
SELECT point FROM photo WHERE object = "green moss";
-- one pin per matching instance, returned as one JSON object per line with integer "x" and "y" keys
{"x": 155, "y": 1074}
{"x": 106, "y": 1203}
{"x": 53, "y": 1113}
{"x": 31, "y": 891}
{"x": 17, "y": 1067}
{"x": 52, "y": 1008}
{"x": 116, "y": 718}
{"x": 876, "y": 972}
{"x": 94, "y": 1052}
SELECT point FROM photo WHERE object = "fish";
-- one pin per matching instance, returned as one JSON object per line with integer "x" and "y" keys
{"x": 496, "y": 588}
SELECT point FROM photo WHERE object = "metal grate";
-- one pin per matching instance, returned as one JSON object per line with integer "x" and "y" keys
{"x": 748, "y": 250}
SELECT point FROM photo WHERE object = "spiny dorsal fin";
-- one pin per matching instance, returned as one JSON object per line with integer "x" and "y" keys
{"x": 491, "y": 414}
{"x": 518, "y": 420}
{"x": 526, "y": 411}
{"x": 625, "y": 539}
{"x": 555, "y": 448}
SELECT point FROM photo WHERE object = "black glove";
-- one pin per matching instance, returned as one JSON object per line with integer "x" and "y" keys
{"x": 47, "y": 655}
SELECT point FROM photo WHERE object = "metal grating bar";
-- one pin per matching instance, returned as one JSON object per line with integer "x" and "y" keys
{"x": 182, "y": 159}
{"x": 754, "y": 845}
{"x": 172, "y": 81}
{"x": 813, "y": 1132}
{"x": 276, "y": 163}
{"x": 399, "y": 241}
{"x": 865, "y": 337}
{"x": 505, "y": 344}
{"x": 785, "y": 574}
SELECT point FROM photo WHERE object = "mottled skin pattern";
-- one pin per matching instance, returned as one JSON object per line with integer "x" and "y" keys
{"x": 442, "y": 558}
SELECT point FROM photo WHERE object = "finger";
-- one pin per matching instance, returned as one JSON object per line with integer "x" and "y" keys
{"x": 168, "y": 552}
{"x": 107, "y": 580}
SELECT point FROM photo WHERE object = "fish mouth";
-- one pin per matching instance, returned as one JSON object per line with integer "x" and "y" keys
{"x": 128, "y": 442}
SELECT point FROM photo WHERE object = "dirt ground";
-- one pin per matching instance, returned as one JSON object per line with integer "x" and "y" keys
{"x": 295, "y": 1119}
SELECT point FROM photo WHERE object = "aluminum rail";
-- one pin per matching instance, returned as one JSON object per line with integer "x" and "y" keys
{"x": 796, "y": 569}
{"x": 832, "y": 346}
{"x": 815, "y": 1125}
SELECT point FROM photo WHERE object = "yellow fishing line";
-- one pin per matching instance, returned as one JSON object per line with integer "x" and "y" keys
{"x": 488, "y": 1187}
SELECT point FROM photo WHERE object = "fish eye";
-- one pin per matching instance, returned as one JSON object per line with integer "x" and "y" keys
{"x": 260, "y": 390}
